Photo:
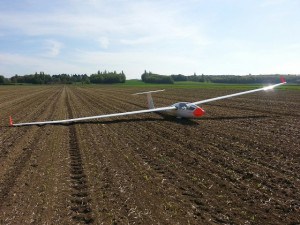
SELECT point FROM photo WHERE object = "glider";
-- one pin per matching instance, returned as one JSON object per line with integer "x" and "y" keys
{"x": 180, "y": 109}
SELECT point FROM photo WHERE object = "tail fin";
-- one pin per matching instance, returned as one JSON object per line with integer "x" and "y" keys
{"x": 149, "y": 97}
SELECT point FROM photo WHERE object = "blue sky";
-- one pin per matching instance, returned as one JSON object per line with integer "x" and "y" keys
{"x": 162, "y": 36}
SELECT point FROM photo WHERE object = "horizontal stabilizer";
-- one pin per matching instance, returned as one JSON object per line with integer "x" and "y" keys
{"x": 146, "y": 92}
{"x": 149, "y": 97}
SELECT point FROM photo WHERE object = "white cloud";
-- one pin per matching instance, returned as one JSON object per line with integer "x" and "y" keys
{"x": 52, "y": 48}
{"x": 268, "y": 3}
{"x": 104, "y": 42}
{"x": 139, "y": 41}
{"x": 134, "y": 63}
{"x": 133, "y": 23}
{"x": 11, "y": 64}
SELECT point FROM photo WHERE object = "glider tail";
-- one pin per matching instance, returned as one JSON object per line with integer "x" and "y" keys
{"x": 149, "y": 98}
{"x": 150, "y": 101}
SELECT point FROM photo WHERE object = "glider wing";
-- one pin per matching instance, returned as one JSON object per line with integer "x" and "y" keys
{"x": 95, "y": 117}
{"x": 241, "y": 93}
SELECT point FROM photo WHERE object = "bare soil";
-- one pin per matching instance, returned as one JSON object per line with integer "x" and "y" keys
{"x": 239, "y": 164}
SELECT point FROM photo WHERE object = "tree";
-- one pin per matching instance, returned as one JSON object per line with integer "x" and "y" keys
{"x": 2, "y": 79}
{"x": 156, "y": 78}
{"x": 108, "y": 77}
{"x": 179, "y": 77}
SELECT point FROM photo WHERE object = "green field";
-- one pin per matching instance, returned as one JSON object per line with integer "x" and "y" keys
{"x": 191, "y": 84}
{"x": 181, "y": 85}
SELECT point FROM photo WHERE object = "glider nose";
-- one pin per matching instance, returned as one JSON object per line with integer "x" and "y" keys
{"x": 198, "y": 112}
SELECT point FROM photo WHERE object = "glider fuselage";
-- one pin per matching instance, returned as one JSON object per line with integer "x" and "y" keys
{"x": 187, "y": 110}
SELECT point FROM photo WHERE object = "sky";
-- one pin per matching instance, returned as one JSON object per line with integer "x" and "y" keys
{"x": 161, "y": 36}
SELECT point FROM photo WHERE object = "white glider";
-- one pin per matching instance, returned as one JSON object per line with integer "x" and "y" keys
{"x": 180, "y": 109}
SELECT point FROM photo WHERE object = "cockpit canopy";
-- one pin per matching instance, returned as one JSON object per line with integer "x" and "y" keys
{"x": 185, "y": 106}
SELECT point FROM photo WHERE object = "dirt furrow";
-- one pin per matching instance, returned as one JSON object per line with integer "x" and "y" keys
{"x": 14, "y": 98}
{"x": 40, "y": 191}
{"x": 11, "y": 136}
{"x": 15, "y": 164}
{"x": 80, "y": 199}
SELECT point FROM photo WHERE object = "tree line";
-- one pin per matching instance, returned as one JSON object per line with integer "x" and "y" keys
{"x": 105, "y": 77}
{"x": 238, "y": 79}
{"x": 149, "y": 77}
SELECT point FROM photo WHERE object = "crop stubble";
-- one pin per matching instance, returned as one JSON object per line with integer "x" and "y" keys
{"x": 239, "y": 164}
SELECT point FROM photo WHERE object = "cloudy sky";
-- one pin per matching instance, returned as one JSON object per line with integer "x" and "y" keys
{"x": 163, "y": 36}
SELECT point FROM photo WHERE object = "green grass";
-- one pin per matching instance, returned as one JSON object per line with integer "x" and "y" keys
{"x": 182, "y": 85}
{"x": 191, "y": 84}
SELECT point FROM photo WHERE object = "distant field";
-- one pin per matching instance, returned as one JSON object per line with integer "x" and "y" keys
{"x": 182, "y": 85}
{"x": 191, "y": 84}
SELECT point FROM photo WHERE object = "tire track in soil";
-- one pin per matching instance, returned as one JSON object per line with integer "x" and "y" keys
{"x": 13, "y": 173}
{"x": 80, "y": 200}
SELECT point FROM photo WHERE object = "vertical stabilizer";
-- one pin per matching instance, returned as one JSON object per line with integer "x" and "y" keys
{"x": 150, "y": 101}
{"x": 149, "y": 98}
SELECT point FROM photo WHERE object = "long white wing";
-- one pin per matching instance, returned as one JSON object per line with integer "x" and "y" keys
{"x": 240, "y": 93}
{"x": 96, "y": 117}
{"x": 146, "y": 110}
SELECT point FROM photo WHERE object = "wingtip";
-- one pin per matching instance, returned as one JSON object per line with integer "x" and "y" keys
{"x": 11, "y": 122}
{"x": 282, "y": 80}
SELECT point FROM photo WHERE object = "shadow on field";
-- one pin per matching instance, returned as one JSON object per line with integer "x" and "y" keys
{"x": 165, "y": 117}
{"x": 168, "y": 118}
{"x": 233, "y": 117}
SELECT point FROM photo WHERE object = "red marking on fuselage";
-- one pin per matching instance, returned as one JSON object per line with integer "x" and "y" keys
{"x": 198, "y": 112}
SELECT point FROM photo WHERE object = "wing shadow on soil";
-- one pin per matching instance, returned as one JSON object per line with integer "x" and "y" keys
{"x": 165, "y": 117}
{"x": 233, "y": 117}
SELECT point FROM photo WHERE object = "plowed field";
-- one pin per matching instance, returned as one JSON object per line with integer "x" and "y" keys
{"x": 239, "y": 164}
